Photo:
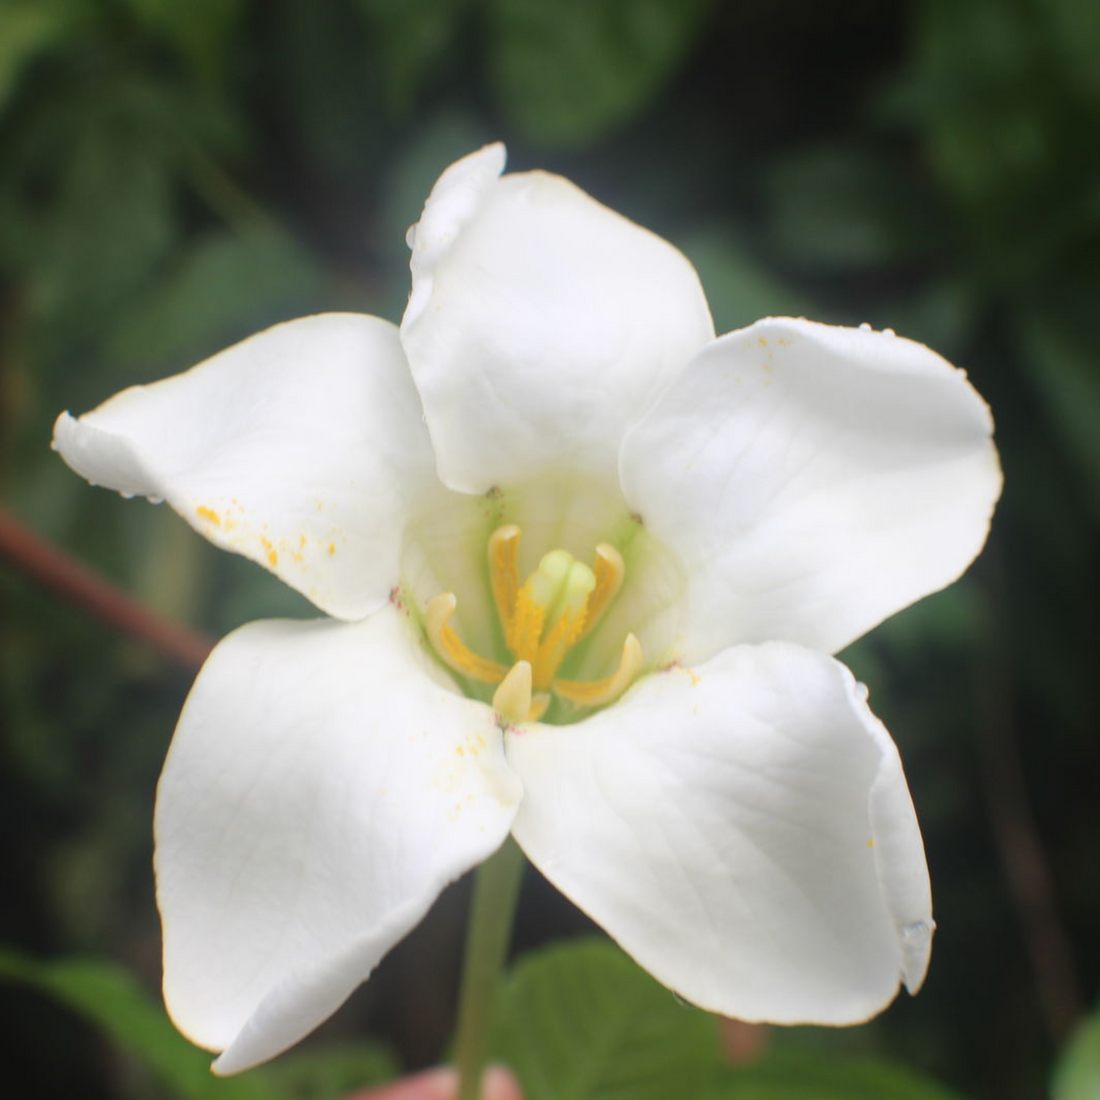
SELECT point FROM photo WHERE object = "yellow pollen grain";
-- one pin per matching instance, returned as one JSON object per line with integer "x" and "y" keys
{"x": 269, "y": 549}
{"x": 871, "y": 843}
{"x": 761, "y": 341}
{"x": 331, "y": 549}
{"x": 209, "y": 515}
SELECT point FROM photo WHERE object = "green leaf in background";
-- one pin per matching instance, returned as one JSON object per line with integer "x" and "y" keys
{"x": 329, "y": 86}
{"x": 738, "y": 288}
{"x": 1075, "y": 30}
{"x": 411, "y": 38}
{"x": 839, "y": 209}
{"x": 223, "y": 287}
{"x": 328, "y": 1072}
{"x": 107, "y": 996}
{"x": 201, "y": 31}
{"x": 806, "y": 1076}
{"x": 1062, "y": 361}
{"x": 112, "y": 222}
{"x": 567, "y": 72}
{"x": 584, "y": 1022}
{"x": 1077, "y": 1074}
{"x": 28, "y": 29}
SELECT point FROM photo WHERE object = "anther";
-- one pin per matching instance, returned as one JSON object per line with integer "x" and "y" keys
{"x": 450, "y": 647}
{"x": 598, "y": 693}
{"x": 609, "y": 572}
{"x": 504, "y": 576}
{"x": 556, "y": 606}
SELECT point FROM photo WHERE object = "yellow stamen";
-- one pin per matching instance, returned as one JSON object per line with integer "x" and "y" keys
{"x": 526, "y": 625}
{"x": 556, "y": 606}
{"x": 609, "y": 571}
{"x": 555, "y": 645}
{"x": 450, "y": 647}
{"x": 598, "y": 693}
{"x": 512, "y": 700}
{"x": 504, "y": 575}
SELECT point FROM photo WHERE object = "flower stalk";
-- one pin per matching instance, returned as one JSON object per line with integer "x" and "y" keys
{"x": 496, "y": 890}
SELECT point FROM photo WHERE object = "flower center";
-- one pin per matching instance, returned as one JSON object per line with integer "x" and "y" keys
{"x": 557, "y": 606}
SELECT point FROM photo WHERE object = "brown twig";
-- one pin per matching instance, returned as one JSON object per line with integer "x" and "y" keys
{"x": 60, "y": 574}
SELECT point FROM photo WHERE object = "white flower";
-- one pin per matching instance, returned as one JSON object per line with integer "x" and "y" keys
{"x": 707, "y": 783}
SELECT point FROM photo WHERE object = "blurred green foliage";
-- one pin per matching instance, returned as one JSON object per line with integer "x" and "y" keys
{"x": 175, "y": 176}
{"x": 107, "y": 996}
{"x": 1077, "y": 1076}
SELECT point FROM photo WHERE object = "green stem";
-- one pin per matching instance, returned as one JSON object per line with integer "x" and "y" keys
{"x": 496, "y": 889}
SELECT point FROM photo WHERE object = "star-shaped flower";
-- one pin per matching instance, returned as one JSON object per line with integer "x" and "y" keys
{"x": 584, "y": 565}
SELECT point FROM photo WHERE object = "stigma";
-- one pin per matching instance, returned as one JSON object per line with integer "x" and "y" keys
{"x": 556, "y": 606}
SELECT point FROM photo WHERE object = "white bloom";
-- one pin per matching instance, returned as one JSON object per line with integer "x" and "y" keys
{"x": 707, "y": 783}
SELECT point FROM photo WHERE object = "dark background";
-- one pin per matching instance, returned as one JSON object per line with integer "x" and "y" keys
{"x": 174, "y": 176}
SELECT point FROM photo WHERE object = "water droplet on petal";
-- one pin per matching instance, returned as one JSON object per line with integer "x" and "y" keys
{"x": 918, "y": 930}
{"x": 888, "y": 332}
{"x": 865, "y": 327}
{"x": 410, "y": 235}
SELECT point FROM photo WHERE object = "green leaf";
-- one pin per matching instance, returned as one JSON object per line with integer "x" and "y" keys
{"x": 1062, "y": 356}
{"x": 100, "y": 236}
{"x": 1077, "y": 1074}
{"x": 843, "y": 209}
{"x": 806, "y": 1076}
{"x": 223, "y": 287}
{"x": 738, "y": 289}
{"x": 28, "y": 29}
{"x": 329, "y": 1072}
{"x": 583, "y": 1022}
{"x": 201, "y": 31}
{"x": 570, "y": 71}
{"x": 411, "y": 37}
{"x": 329, "y": 87}
{"x": 107, "y": 996}
{"x": 1075, "y": 30}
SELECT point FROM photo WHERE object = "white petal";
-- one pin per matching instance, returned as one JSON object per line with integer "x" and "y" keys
{"x": 300, "y": 448}
{"x": 813, "y": 480}
{"x": 540, "y": 325}
{"x": 324, "y": 784}
{"x": 743, "y": 830}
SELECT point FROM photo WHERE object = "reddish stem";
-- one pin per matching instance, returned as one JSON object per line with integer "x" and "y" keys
{"x": 62, "y": 575}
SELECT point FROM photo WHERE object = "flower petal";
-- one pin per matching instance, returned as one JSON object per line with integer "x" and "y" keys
{"x": 812, "y": 480}
{"x": 299, "y": 448}
{"x": 743, "y": 830}
{"x": 324, "y": 784}
{"x": 540, "y": 325}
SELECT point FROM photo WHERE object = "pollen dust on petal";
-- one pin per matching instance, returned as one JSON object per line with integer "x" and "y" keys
{"x": 209, "y": 515}
{"x": 269, "y": 550}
